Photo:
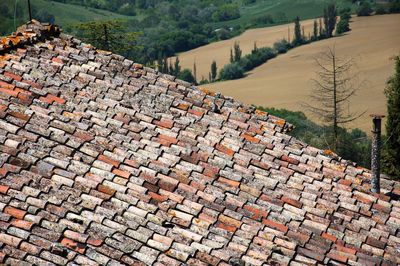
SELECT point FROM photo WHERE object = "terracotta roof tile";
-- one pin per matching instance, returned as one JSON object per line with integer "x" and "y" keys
{"x": 110, "y": 162}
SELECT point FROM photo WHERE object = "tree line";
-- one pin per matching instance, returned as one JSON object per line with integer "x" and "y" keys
{"x": 323, "y": 28}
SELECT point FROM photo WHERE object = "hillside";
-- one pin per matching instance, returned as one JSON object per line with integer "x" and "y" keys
{"x": 166, "y": 27}
{"x": 220, "y": 51}
{"x": 284, "y": 82}
{"x": 64, "y": 14}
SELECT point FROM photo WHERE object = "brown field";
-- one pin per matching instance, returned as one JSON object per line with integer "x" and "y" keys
{"x": 220, "y": 51}
{"x": 284, "y": 82}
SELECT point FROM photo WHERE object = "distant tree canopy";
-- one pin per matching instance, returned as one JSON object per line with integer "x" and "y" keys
{"x": 344, "y": 22}
{"x": 109, "y": 35}
{"x": 186, "y": 75}
{"x": 226, "y": 12}
{"x": 330, "y": 14}
{"x": 282, "y": 46}
{"x": 231, "y": 71}
{"x": 298, "y": 38}
{"x": 365, "y": 9}
{"x": 213, "y": 73}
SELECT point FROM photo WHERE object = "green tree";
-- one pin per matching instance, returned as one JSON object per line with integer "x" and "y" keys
{"x": 315, "y": 31}
{"x": 109, "y": 35}
{"x": 343, "y": 25}
{"x": 365, "y": 9}
{"x": 255, "y": 48}
{"x": 226, "y": 12}
{"x": 231, "y": 71}
{"x": 186, "y": 75}
{"x": 213, "y": 72}
{"x": 177, "y": 67}
{"x": 165, "y": 68}
{"x": 298, "y": 38}
{"x": 237, "y": 52}
{"x": 330, "y": 14}
{"x": 321, "y": 29}
{"x": 282, "y": 46}
{"x": 391, "y": 151}
{"x": 380, "y": 11}
{"x": 394, "y": 6}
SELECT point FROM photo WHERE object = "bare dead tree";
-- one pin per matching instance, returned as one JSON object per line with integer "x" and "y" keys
{"x": 334, "y": 85}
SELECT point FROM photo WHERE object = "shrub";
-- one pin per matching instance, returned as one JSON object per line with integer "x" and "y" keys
{"x": 342, "y": 26}
{"x": 380, "y": 11}
{"x": 231, "y": 71}
{"x": 365, "y": 9}
{"x": 394, "y": 7}
{"x": 186, "y": 75}
{"x": 282, "y": 46}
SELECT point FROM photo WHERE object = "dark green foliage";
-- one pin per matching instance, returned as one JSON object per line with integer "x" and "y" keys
{"x": 231, "y": 71}
{"x": 282, "y": 46}
{"x": 354, "y": 145}
{"x": 298, "y": 38}
{"x": 237, "y": 52}
{"x": 177, "y": 67}
{"x": 330, "y": 14}
{"x": 256, "y": 58}
{"x": 380, "y": 11}
{"x": 213, "y": 73}
{"x": 108, "y": 35}
{"x": 186, "y": 75}
{"x": 343, "y": 25}
{"x": 248, "y": 2}
{"x": 226, "y": 12}
{"x": 345, "y": 15}
{"x": 394, "y": 6}
{"x": 365, "y": 9}
{"x": 236, "y": 69}
{"x": 315, "y": 31}
{"x": 391, "y": 152}
{"x": 263, "y": 20}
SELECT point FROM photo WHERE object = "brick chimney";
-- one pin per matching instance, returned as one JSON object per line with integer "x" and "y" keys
{"x": 376, "y": 152}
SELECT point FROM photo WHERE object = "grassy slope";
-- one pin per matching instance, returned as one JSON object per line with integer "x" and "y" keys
{"x": 65, "y": 14}
{"x": 303, "y": 8}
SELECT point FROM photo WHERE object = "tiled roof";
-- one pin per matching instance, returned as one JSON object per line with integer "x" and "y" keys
{"x": 104, "y": 161}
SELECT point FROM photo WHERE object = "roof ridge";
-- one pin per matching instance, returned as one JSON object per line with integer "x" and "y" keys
{"x": 29, "y": 33}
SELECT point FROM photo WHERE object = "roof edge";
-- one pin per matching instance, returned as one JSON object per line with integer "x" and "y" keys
{"x": 31, "y": 32}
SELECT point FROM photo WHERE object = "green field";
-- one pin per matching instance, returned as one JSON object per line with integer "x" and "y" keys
{"x": 65, "y": 14}
{"x": 282, "y": 11}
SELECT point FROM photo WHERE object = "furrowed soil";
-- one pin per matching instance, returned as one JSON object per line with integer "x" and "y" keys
{"x": 285, "y": 82}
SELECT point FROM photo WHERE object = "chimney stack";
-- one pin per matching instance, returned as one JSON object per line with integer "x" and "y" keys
{"x": 376, "y": 153}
